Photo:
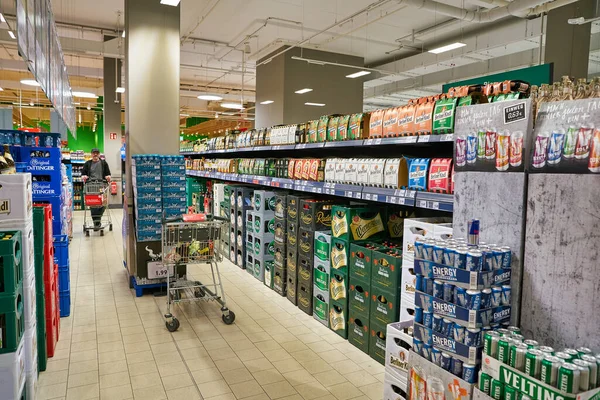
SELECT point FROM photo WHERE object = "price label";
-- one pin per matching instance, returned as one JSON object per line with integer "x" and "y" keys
{"x": 348, "y": 193}
{"x": 424, "y": 139}
{"x": 301, "y": 146}
{"x": 377, "y": 141}
{"x": 156, "y": 270}
{"x": 422, "y": 204}
{"x": 435, "y": 205}
{"x": 448, "y": 137}
{"x": 369, "y": 142}
{"x": 401, "y": 201}
{"x": 358, "y": 195}
{"x": 367, "y": 196}
{"x": 375, "y": 197}
{"x": 391, "y": 199}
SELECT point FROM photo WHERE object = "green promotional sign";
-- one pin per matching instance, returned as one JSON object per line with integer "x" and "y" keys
{"x": 535, "y": 75}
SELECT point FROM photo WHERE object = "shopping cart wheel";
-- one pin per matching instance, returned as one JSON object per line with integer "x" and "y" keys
{"x": 173, "y": 325}
{"x": 87, "y": 233}
{"x": 102, "y": 232}
{"x": 110, "y": 227}
{"x": 228, "y": 318}
{"x": 199, "y": 293}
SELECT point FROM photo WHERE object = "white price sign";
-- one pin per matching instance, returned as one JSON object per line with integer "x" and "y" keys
{"x": 157, "y": 270}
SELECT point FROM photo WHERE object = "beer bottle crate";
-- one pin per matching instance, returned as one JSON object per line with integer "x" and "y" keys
{"x": 321, "y": 274}
{"x": 269, "y": 273}
{"x": 359, "y": 298}
{"x": 305, "y": 296}
{"x": 12, "y": 365}
{"x": 358, "y": 330}
{"x": 280, "y": 280}
{"x": 260, "y": 268}
{"x": 65, "y": 303}
{"x": 306, "y": 242}
{"x": 11, "y": 261}
{"x": 249, "y": 265}
{"x": 56, "y": 204}
{"x": 292, "y": 287}
{"x": 15, "y": 192}
{"x": 322, "y": 245}
{"x": 398, "y": 345}
{"x": 61, "y": 250}
{"x": 321, "y": 305}
{"x": 338, "y": 316}
{"x": 385, "y": 305}
{"x": 12, "y": 319}
{"x": 386, "y": 270}
{"x": 377, "y": 341}
{"x": 361, "y": 259}
{"x": 52, "y": 331}
{"x": 41, "y": 331}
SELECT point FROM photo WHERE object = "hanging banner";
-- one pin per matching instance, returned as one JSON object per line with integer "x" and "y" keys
{"x": 566, "y": 139}
{"x": 492, "y": 137}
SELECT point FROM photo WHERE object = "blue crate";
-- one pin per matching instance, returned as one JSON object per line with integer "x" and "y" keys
{"x": 65, "y": 303}
{"x": 61, "y": 250}
{"x": 12, "y": 137}
{"x": 64, "y": 280}
{"x": 53, "y": 187}
{"x": 49, "y": 164}
{"x": 48, "y": 139}
{"x": 57, "y": 216}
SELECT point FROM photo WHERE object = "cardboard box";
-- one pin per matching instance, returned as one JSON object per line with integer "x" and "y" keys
{"x": 321, "y": 272}
{"x": 338, "y": 286}
{"x": 338, "y": 317}
{"x": 360, "y": 297}
{"x": 395, "y": 222}
{"x": 394, "y": 388}
{"x": 377, "y": 341}
{"x": 281, "y": 205}
{"x": 264, "y": 201}
{"x": 395, "y": 175}
{"x": 397, "y": 347}
{"x": 386, "y": 271}
{"x": 306, "y": 241}
{"x": 280, "y": 255}
{"x": 322, "y": 245}
{"x": 468, "y": 354}
{"x": 435, "y": 228}
{"x": 280, "y": 230}
{"x": 355, "y": 223}
{"x": 460, "y": 277}
{"x": 305, "y": 297}
{"x": 305, "y": 271}
{"x": 385, "y": 306}
{"x": 280, "y": 281}
{"x": 358, "y": 331}
{"x": 361, "y": 259}
{"x": 376, "y": 174}
{"x": 315, "y": 215}
{"x": 321, "y": 306}
{"x": 340, "y": 256}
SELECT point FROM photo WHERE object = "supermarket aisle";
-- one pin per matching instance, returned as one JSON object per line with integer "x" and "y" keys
{"x": 115, "y": 346}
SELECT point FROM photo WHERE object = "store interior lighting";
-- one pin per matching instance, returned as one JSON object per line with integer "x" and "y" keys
{"x": 235, "y": 106}
{"x": 448, "y": 47}
{"x": 302, "y": 91}
{"x": 315, "y": 104}
{"x": 173, "y": 3}
{"x": 266, "y": 102}
{"x": 2, "y": 19}
{"x": 120, "y": 90}
{"x": 12, "y": 35}
{"x": 85, "y": 95}
{"x": 123, "y": 34}
{"x": 29, "y": 82}
{"x": 358, "y": 74}
{"x": 210, "y": 97}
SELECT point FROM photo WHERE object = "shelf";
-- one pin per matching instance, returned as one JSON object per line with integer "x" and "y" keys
{"x": 403, "y": 197}
{"x": 403, "y": 140}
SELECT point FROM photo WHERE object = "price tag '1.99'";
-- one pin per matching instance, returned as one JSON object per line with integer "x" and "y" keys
{"x": 156, "y": 270}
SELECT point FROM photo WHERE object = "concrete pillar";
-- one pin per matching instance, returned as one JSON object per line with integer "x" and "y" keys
{"x": 152, "y": 52}
{"x": 112, "y": 122}
{"x": 278, "y": 80}
{"x": 568, "y": 46}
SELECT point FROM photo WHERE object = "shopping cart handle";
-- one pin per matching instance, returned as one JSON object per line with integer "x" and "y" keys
{"x": 220, "y": 218}
{"x": 173, "y": 219}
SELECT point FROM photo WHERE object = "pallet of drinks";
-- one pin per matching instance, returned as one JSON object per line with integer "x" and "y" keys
{"x": 514, "y": 368}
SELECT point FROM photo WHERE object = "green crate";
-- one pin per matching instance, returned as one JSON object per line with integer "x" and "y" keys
{"x": 338, "y": 317}
{"x": 338, "y": 286}
{"x": 355, "y": 223}
{"x": 321, "y": 274}
{"x": 377, "y": 341}
{"x": 358, "y": 331}
{"x": 340, "y": 256}
{"x": 12, "y": 320}
{"x": 387, "y": 270}
{"x": 359, "y": 297}
{"x": 361, "y": 259}
{"x": 385, "y": 306}
{"x": 41, "y": 331}
{"x": 11, "y": 265}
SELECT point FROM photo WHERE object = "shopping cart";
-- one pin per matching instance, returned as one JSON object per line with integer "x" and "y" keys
{"x": 95, "y": 199}
{"x": 186, "y": 243}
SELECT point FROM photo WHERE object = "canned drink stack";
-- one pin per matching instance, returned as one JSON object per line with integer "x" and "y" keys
{"x": 473, "y": 232}
{"x": 568, "y": 378}
{"x": 549, "y": 370}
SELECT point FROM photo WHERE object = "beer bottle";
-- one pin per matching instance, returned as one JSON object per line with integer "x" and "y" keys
{"x": 556, "y": 92}
{"x": 567, "y": 92}
{"x": 581, "y": 89}
{"x": 595, "y": 93}
{"x": 9, "y": 161}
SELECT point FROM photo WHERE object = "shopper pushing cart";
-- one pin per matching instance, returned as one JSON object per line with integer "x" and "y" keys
{"x": 96, "y": 170}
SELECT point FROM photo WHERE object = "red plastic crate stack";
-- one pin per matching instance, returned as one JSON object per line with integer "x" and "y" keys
{"x": 50, "y": 285}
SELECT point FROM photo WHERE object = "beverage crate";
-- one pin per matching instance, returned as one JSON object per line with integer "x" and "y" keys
{"x": 64, "y": 284}
{"x": 57, "y": 212}
{"x": 39, "y": 160}
{"x": 46, "y": 185}
{"x": 41, "y": 332}
{"x": 12, "y": 319}
{"x": 11, "y": 261}
{"x": 30, "y": 339}
{"x": 65, "y": 303}
{"x": 61, "y": 250}
{"x": 29, "y": 300}
{"x": 51, "y": 333}
{"x": 12, "y": 371}
{"x": 15, "y": 198}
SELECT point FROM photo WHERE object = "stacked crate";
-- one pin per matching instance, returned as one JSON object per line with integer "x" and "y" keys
{"x": 147, "y": 193}
{"x": 18, "y": 314}
{"x": 172, "y": 172}
{"x": 289, "y": 275}
{"x": 221, "y": 209}
{"x": 321, "y": 271}
{"x": 314, "y": 221}
{"x": 260, "y": 234}
{"x": 278, "y": 268}
{"x": 241, "y": 203}
{"x": 42, "y": 237}
{"x": 61, "y": 258}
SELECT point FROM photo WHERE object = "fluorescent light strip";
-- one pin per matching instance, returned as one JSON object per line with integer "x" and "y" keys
{"x": 12, "y": 35}
{"x": 120, "y": 90}
{"x": 266, "y": 102}
{"x": 210, "y": 97}
{"x": 173, "y": 3}
{"x": 84, "y": 95}
{"x": 358, "y": 74}
{"x": 235, "y": 106}
{"x": 448, "y": 47}
{"x": 315, "y": 104}
{"x": 29, "y": 82}
{"x": 302, "y": 91}
{"x": 2, "y": 19}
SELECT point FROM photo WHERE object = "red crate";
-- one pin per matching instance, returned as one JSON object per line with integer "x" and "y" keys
{"x": 57, "y": 313}
{"x": 51, "y": 334}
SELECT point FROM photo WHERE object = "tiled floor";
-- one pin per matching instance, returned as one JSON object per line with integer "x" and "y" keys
{"x": 115, "y": 346}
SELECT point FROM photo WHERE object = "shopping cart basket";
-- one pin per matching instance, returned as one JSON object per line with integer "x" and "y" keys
{"x": 186, "y": 243}
{"x": 96, "y": 201}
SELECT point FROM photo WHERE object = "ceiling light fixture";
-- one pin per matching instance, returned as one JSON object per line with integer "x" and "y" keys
{"x": 249, "y": 119}
{"x": 216, "y": 115}
{"x": 12, "y": 35}
{"x": 267, "y": 102}
{"x": 173, "y": 3}
{"x": 85, "y": 95}
{"x": 312, "y": 61}
{"x": 210, "y": 97}
{"x": 89, "y": 107}
{"x": 234, "y": 106}
{"x": 1, "y": 90}
{"x": 448, "y": 47}
{"x": 315, "y": 104}
{"x": 184, "y": 115}
{"x": 358, "y": 74}
{"x": 29, "y": 82}
{"x": 302, "y": 91}
{"x": 31, "y": 103}
{"x": 2, "y": 19}
{"x": 120, "y": 90}
{"x": 123, "y": 34}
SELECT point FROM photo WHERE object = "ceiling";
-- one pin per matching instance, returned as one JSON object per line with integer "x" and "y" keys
{"x": 223, "y": 39}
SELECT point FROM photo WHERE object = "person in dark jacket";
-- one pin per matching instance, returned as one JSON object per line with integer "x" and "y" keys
{"x": 97, "y": 170}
